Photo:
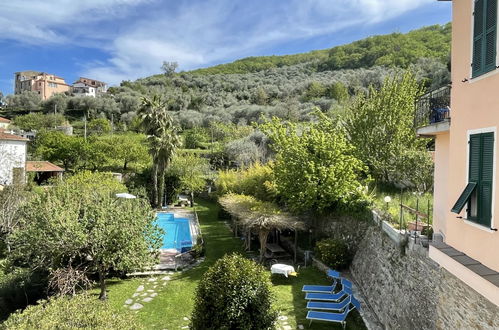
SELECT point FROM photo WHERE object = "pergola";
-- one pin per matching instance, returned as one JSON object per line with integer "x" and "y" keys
{"x": 260, "y": 216}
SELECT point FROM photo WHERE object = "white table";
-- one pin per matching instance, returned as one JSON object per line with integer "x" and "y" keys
{"x": 282, "y": 269}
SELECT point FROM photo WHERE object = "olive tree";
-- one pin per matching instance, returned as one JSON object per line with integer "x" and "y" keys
{"x": 80, "y": 224}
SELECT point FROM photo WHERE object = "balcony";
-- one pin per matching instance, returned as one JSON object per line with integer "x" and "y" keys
{"x": 432, "y": 114}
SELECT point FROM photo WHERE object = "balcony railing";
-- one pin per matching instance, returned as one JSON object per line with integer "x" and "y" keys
{"x": 433, "y": 107}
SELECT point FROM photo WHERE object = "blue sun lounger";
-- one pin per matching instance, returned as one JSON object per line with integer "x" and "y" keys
{"x": 333, "y": 297}
{"x": 326, "y": 288}
{"x": 330, "y": 306}
{"x": 333, "y": 273}
{"x": 334, "y": 317}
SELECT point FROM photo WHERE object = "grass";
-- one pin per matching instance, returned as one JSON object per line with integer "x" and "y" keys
{"x": 423, "y": 202}
{"x": 176, "y": 299}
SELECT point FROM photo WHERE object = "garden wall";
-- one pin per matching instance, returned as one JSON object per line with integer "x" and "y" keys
{"x": 410, "y": 291}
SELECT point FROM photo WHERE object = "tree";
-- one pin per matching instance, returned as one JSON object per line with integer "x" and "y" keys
{"x": 27, "y": 100}
{"x": 169, "y": 68}
{"x": 338, "y": 91}
{"x": 60, "y": 148}
{"x": 58, "y": 103}
{"x": 315, "y": 166}
{"x": 235, "y": 293}
{"x": 80, "y": 224}
{"x": 37, "y": 121}
{"x": 380, "y": 125}
{"x": 163, "y": 139}
{"x": 125, "y": 149}
{"x": 99, "y": 126}
{"x": 79, "y": 312}
{"x": 192, "y": 171}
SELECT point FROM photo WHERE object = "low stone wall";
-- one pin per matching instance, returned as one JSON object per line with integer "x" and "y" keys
{"x": 410, "y": 291}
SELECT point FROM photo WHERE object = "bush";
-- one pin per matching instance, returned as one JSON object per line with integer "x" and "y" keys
{"x": 78, "y": 312}
{"x": 234, "y": 294}
{"x": 334, "y": 253}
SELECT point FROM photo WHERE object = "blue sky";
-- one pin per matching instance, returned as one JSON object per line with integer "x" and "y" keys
{"x": 114, "y": 40}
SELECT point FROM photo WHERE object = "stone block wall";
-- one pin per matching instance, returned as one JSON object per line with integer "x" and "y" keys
{"x": 407, "y": 290}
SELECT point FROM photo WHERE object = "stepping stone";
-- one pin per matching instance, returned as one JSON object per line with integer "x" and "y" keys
{"x": 128, "y": 301}
{"x": 140, "y": 288}
{"x": 287, "y": 327}
{"x": 148, "y": 299}
{"x": 135, "y": 294}
{"x": 300, "y": 326}
{"x": 282, "y": 318}
{"x": 150, "y": 290}
{"x": 152, "y": 279}
{"x": 186, "y": 318}
{"x": 144, "y": 294}
{"x": 164, "y": 283}
{"x": 136, "y": 306}
{"x": 185, "y": 327}
{"x": 170, "y": 273}
{"x": 153, "y": 294}
{"x": 154, "y": 287}
{"x": 166, "y": 278}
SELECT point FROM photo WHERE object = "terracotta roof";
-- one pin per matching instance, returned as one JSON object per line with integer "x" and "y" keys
{"x": 42, "y": 166}
{"x": 4, "y": 120}
{"x": 7, "y": 136}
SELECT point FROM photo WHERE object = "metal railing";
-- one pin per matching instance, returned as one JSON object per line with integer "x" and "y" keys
{"x": 433, "y": 107}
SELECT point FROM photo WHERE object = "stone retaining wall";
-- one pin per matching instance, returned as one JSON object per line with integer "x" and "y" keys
{"x": 412, "y": 292}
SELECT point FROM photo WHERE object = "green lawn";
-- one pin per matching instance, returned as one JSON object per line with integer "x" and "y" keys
{"x": 175, "y": 299}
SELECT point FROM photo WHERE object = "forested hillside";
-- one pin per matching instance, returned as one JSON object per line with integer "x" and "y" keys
{"x": 283, "y": 86}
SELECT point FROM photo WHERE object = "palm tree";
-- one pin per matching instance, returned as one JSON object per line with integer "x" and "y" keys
{"x": 163, "y": 139}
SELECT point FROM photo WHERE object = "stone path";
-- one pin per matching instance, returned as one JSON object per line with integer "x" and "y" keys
{"x": 146, "y": 292}
{"x": 282, "y": 323}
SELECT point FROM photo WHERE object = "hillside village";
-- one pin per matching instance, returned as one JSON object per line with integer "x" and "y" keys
{"x": 352, "y": 188}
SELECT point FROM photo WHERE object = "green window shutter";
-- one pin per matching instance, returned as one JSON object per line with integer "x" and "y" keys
{"x": 489, "y": 57}
{"x": 478, "y": 37}
{"x": 463, "y": 199}
{"x": 487, "y": 169}
{"x": 474, "y": 161}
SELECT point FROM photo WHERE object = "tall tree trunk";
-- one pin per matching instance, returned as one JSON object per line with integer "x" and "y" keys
{"x": 102, "y": 283}
{"x": 161, "y": 185}
{"x": 191, "y": 195}
{"x": 155, "y": 184}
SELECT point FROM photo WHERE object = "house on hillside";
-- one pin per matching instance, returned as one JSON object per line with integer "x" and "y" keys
{"x": 13, "y": 150}
{"x": 45, "y": 84}
{"x": 463, "y": 120}
{"x": 89, "y": 87}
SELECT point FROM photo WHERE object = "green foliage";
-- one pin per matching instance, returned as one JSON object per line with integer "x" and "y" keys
{"x": 27, "y": 100}
{"x": 235, "y": 293}
{"x": 57, "y": 103}
{"x": 315, "y": 166}
{"x": 338, "y": 91}
{"x": 38, "y": 121}
{"x": 99, "y": 126}
{"x": 257, "y": 180}
{"x": 334, "y": 253}
{"x": 80, "y": 224}
{"x": 395, "y": 49}
{"x": 192, "y": 171}
{"x": 123, "y": 150}
{"x": 60, "y": 148}
{"x": 315, "y": 90}
{"x": 196, "y": 138}
{"x": 78, "y": 312}
{"x": 380, "y": 125}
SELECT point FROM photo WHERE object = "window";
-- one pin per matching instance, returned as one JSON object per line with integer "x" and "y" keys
{"x": 478, "y": 192}
{"x": 484, "y": 36}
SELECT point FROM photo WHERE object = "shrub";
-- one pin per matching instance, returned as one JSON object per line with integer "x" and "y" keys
{"x": 334, "y": 253}
{"x": 78, "y": 312}
{"x": 234, "y": 294}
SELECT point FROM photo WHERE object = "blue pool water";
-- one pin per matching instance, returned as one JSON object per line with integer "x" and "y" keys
{"x": 178, "y": 233}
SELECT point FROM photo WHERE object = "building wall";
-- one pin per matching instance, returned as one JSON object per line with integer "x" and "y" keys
{"x": 12, "y": 155}
{"x": 407, "y": 290}
{"x": 474, "y": 106}
{"x": 441, "y": 181}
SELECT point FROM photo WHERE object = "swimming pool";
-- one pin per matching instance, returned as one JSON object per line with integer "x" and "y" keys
{"x": 178, "y": 232}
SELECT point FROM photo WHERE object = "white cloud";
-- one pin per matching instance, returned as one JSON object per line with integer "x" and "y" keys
{"x": 193, "y": 33}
